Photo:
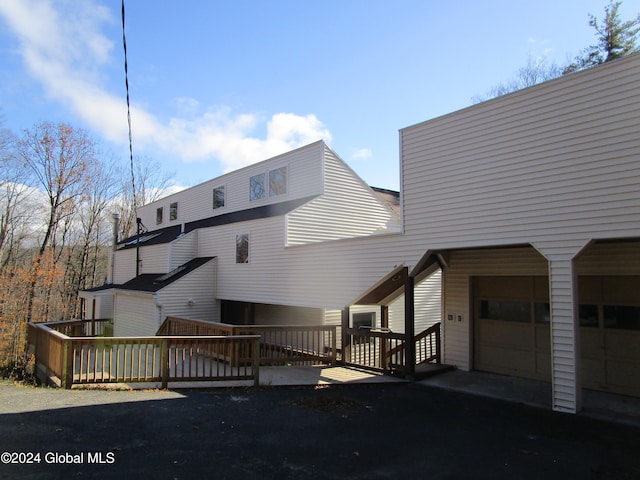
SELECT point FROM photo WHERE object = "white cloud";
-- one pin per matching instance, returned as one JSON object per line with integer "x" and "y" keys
{"x": 63, "y": 48}
{"x": 361, "y": 154}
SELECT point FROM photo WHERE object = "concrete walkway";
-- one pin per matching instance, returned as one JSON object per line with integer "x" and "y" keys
{"x": 605, "y": 406}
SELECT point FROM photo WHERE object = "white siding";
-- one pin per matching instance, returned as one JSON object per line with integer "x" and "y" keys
{"x": 183, "y": 249}
{"x": 560, "y": 160}
{"x": 348, "y": 208}
{"x": 304, "y": 172}
{"x": 198, "y": 286}
{"x": 125, "y": 266}
{"x": 154, "y": 258}
{"x": 135, "y": 314}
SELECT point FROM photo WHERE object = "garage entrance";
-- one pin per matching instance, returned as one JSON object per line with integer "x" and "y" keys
{"x": 512, "y": 329}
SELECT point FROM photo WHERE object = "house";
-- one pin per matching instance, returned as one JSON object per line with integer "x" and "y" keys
{"x": 250, "y": 247}
{"x": 519, "y": 227}
{"x": 533, "y": 201}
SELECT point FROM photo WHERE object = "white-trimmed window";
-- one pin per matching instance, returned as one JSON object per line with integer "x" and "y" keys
{"x": 278, "y": 181}
{"x": 173, "y": 211}
{"x": 159, "y": 212}
{"x": 257, "y": 187}
{"x": 219, "y": 195}
{"x": 242, "y": 248}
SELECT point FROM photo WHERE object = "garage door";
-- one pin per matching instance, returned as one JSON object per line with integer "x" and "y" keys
{"x": 511, "y": 327}
{"x": 512, "y": 336}
{"x": 610, "y": 333}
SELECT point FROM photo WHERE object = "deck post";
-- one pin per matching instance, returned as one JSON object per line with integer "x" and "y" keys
{"x": 346, "y": 338}
{"x": 67, "y": 363}
{"x": 255, "y": 362}
{"x": 164, "y": 362}
{"x": 384, "y": 342}
{"x": 409, "y": 326}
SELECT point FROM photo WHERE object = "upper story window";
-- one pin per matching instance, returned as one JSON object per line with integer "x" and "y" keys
{"x": 257, "y": 187}
{"x": 173, "y": 211}
{"x": 242, "y": 248}
{"x": 158, "y": 216}
{"x": 218, "y": 197}
{"x": 278, "y": 181}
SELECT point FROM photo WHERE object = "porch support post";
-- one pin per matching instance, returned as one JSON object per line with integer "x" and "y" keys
{"x": 384, "y": 342}
{"x": 346, "y": 338}
{"x": 565, "y": 329}
{"x": 409, "y": 326}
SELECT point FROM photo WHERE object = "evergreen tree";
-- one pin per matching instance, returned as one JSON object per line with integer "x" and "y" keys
{"x": 615, "y": 39}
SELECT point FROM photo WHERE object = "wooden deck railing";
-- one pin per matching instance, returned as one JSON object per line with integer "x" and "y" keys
{"x": 279, "y": 344}
{"x": 383, "y": 350}
{"x": 102, "y": 327}
{"x": 87, "y": 360}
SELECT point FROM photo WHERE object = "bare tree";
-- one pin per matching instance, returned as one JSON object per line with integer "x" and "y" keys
{"x": 537, "y": 69}
{"x": 61, "y": 161}
{"x": 151, "y": 183}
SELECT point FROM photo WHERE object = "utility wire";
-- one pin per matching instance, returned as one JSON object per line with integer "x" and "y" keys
{"x": 126, "y": 81}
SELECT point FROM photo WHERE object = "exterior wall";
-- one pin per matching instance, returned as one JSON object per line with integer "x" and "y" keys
{"x": 304, "y": 179}
{"x": 199, "y": 287}
{"x": 124, "y": 265}
{"x": 154, "y": 259}
{"x": 135, "y": 314}
{"x": 348, "y": 208}
{"x": 427, "y": 305}
{"x": 183, "y": 250}
{"x": 557, "y": 161}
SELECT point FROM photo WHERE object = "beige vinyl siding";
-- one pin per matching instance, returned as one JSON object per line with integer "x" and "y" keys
{"x": 183, "y": 249}
{"x": 427, "y": 305}
{"x": 135, "y": 314}
{"x": 348, "y": 208}
{"x": 198, "y": 286}
{"x": 304, "y": 178}
{"x": 154, "y": 258}
{"x": 556, "y": 161}
{"x": 124, "y": 266}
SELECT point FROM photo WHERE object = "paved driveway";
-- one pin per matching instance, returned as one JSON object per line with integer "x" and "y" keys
{"x": 386, "y": 431}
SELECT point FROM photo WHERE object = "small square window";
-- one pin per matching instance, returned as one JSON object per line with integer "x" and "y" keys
{"x": 218, "y": 197}
{"x": 257, "y": 187}
{"x": 173, "y": 211}
{"x": 242, "y": 248}
{"x": 278, "y": 182}
{"x": 158, "y": 216}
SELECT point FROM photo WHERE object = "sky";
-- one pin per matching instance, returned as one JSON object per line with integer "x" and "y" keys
{"x": 217, "y": 85}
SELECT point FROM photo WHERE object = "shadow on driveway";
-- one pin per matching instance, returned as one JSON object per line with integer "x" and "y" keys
{"x": 357, "y": 432}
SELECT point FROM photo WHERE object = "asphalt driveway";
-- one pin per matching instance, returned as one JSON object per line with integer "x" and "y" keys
{"x": 389, "y": 431}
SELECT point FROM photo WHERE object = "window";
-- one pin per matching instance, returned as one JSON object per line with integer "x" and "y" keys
{"x": 173, "y": 211}
{"x": 218, "y": 197}
{"x": 508, "y": 311}
{"x": 257, "y": 187}
{"x": 242, "y": 248}
{"x": 278, "y": 181}
{"x": 158, "y": 216}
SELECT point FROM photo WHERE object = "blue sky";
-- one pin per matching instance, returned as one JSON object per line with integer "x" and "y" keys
{"x": 216, "y": 85}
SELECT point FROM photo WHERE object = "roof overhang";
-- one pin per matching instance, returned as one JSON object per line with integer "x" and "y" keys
{"x": 386, "y": 289}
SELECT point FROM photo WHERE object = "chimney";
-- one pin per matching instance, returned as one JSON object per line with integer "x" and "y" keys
{"x": 112, "y": 254}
